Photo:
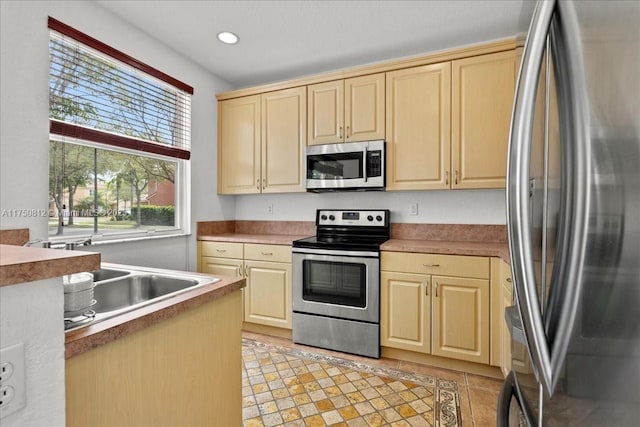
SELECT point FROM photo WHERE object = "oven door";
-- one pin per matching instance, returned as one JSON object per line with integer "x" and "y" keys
{"x": 341, "y": 284}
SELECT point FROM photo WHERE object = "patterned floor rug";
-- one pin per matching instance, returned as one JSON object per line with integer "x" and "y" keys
{"x": 292, "y": 387}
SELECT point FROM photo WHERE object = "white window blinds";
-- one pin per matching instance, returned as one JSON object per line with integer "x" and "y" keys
{"x": 100, "y": 94}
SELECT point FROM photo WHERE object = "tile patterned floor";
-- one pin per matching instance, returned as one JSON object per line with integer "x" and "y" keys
{"x": 294, "y": 387}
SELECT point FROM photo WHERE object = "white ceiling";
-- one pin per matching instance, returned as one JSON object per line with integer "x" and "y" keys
{"x": 281, "y": 40}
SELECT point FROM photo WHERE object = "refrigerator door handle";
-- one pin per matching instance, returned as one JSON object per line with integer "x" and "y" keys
{"x": 548, "y": 342}
{"x": 573, "y": 107}
{"x": 518, "y": 214}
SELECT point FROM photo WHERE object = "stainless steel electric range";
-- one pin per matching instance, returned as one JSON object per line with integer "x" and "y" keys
{"x": 336, "y": 281}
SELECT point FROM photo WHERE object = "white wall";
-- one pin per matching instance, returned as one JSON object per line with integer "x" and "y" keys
{"x": 24, "y": 142}
{"x": 24, "y": 145}
{"x": 434, "y": 207}
{"x": 31, "y": 314}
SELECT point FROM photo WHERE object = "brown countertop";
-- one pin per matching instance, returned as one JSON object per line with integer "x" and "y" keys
{"x": 20, "y": 264}
{"x": 81, "y": 340}
{"x": 452, "y": 239}
{"x": 267, "y": 239}
{"x": 490, "y": 249}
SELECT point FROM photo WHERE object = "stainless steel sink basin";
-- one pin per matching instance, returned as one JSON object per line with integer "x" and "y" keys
{"x": 119, "y": 289}
{"x": 135, "y": 289}
{"x": 108, "y": 273}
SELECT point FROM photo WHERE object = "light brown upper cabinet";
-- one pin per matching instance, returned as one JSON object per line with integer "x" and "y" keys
{"x": 346, "y": 110}
{"x": 448, "y": 123}
{"x": 482, "y": 93}
{"x": 418, "y": 127}
{"x": 261, "y": 143}
{"x": 239, "y": 145}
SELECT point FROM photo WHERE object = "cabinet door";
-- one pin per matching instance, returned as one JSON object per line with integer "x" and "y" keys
{"x": 325, "y": 112}
{"x": 284, "y": 140}
{"x": 364, "y": 108}
{"x": 221, "y": 266}
{"x": 460, "y": 328}
{"x": 239, "y": 145}
{"x": 405, "y": 311}
{"x": 267, "y": 297}
{"x": 418, "y": 127}
{"x": 481, "y": 103}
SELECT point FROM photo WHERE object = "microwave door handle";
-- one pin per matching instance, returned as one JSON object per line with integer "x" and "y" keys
{"x": 364, "y": 164}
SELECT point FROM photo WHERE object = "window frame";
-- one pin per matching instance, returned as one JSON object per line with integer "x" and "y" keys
{"x": 95, "y": 138}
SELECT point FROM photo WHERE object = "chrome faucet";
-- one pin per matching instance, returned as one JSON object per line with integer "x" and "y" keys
{"x": 72, "y": 245}
{"x": 62, "y": 245}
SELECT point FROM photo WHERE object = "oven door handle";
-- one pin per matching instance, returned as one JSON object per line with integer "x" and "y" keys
{"x": 332, "y": 252}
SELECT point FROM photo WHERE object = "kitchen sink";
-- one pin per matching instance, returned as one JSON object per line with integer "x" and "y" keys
{"x": 135, "y": 289}
{"x": 120, "y": 289}
{"x": 108, "y": 273}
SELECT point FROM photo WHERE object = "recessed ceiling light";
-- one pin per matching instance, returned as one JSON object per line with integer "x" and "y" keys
{"x": 227, "y": 37}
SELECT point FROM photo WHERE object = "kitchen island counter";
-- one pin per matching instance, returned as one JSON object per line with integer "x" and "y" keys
{"x": 19, "y": 264}
{"x": 84, "y": 339}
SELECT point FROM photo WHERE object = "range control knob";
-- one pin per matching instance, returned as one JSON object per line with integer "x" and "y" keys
{"x": 323, "y": 217}
{"x": 378, "y": 218}
{"x": 331, "y": 217}
{"x": 370, "y": 218}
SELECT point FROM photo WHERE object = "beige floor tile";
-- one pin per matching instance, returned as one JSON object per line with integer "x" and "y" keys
{"x": 445, "y": 374}
{"x": 478, "y": 381}
{"x": 483, "y": 406}
{"x": 286, "y": 384}
{"x": 465, "y": 406}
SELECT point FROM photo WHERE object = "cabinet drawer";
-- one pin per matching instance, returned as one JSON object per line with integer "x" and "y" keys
{"x": 443, "y": 265}
{"x": 276, "y": 253}
{"x": 221, "y": 249}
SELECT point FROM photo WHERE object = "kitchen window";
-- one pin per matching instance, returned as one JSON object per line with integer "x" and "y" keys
{"x": 119, "y": 143}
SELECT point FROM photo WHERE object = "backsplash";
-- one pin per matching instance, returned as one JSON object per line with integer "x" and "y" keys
{"x": 431, "y": 232}
{"x": 450, "y": 232}
{"x": 293, "y": 228}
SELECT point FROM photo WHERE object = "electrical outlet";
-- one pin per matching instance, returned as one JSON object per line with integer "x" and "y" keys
{"x": 270, "y": 208}
{"x": 12, "y": 383}
{"x": 413, "y": 208}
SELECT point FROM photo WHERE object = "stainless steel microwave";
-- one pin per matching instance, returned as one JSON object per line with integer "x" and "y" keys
{"x": 349, "y": 166}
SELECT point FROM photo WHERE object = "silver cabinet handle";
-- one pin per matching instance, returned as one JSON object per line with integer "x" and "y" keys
{"x": 426, "y": 289}
{"x": 446, "y": 178}
{"x": 246, "y": 271}
{"x": 431, "y": 265}
{"x": 258, "y": 183}
{"x": 221, "y": 251}
{"x": 239, "y": 273}
{"x": 456, "y": 177}
{"x": 509, "y": 280}
{"x": 340, "y": 133}
{"x": 267, "y": 253}
{"x": 264, "y": 183}
{"x": 347, "y": 131}
{"x": 436, "y": 290}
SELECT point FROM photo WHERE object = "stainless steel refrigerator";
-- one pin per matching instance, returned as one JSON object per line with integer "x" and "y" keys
{"x": 573, "y": 217}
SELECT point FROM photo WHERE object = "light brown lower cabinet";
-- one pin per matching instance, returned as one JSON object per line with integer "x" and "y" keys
{"x": 185, "y": 370}
{"x": 436, "y": 314}
{"x": 267, "y": 269}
